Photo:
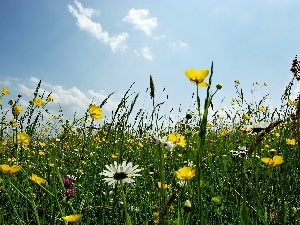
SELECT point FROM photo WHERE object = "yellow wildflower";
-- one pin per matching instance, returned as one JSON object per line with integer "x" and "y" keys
{"x": 14, "y": 123}
{"x": 197, "y": 77}
{"x": 246, "y": 117}
{"x": 49, "y": 98}
{"x": 37, "y": 179}
{"x": 185, "y": 173}
{"x": 277, "y": 160}
{"x": 95, "y": 112}
{"x": 9, "y": 169}
{"x": 291, "y": 102}
{"x": 5, "y": 91}
{"x": 177, "y": 139}
{"x": 23, "y": 139}
{"x": 261, "y": 108}
{"x": 73, "y": 218}
{"x": 17, "y": 110}
{"x": 290, "y": 141}
{"x": 38, "y": 102}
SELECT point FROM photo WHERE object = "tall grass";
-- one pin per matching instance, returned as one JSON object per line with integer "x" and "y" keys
{"x": 232, "y": 184}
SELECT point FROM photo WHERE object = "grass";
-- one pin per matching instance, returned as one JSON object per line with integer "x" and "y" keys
{"x": 231, "y": 184}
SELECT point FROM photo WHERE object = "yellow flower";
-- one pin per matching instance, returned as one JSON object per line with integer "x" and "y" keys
{"x": 14, "y": 123}
{"x": 23, "y": 139}
{"x": 277, "y": 134}
{"x": 5, "y": 91}
{"x": 49, "y": 98}
{"x": 159, "y": 185}
{"x": 9, "y": 169}
{"x": 197, "y": 77}
{"x": 114, "y": 156}
{"x": 37, "y": 179}
{"x": 41, "y": 153}
{"x": 95, "y": 112}
{"x": 224, "y": 132}
{"x": 38, "y": 102}
{"x": 246, "y": 117}
{"x": 177, "y": 139}
{"x": 17, "y": 110}
{"x": 185, "y": 173}
{"x": 261, "y": 108}
{"x": 208, "y": 125}
{"x": 236, "y": 81}
{"x": 277, "y": 160}
{"x": 73, "y": 218}
{"x": 291, "y": 102}
{"x": 290, "y": 141}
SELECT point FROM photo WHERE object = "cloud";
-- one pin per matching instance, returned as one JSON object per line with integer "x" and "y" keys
{"x": 84, "y": 22}
{"x": 144, "y": 52}
{"x": 141, "y": 21}
{"x": 177, "y": 45}
{"x": 70, "y": 100}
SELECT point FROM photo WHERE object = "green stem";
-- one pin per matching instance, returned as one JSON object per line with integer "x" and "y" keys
{"x": 127, "y": 217}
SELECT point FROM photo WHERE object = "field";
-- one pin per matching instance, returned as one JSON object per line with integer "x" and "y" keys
{"x": 240, "y": 168}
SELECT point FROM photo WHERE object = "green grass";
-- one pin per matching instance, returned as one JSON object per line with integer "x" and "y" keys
{"x": 226, "y": 189}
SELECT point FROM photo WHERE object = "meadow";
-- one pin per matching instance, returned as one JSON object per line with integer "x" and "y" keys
{"x": 237, "y": 167}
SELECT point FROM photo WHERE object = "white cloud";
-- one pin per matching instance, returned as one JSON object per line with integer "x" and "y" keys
{"x": 84, "y": 22}
{"x": 176, "y": 45}
{"x": 70, "y": 100}
{"x": 144, "y": 52}
{"x": 141, "y": 21}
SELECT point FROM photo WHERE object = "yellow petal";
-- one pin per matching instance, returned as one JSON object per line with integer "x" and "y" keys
{"x": 277, "y": 160}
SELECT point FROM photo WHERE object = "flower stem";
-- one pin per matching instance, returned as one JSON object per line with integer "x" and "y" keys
{"x": 127, "y": 217}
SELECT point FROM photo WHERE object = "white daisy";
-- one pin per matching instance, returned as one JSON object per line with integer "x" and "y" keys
{"x": 123, "y": 172}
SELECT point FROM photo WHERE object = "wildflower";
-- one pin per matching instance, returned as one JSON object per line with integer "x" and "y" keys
{"x": 9, "y": 169}
{"x": 41, "y": 153}
{"x": 5, "y": 91}
{"x": 246, "y": 116}
{"x": 185, "y": 173}
{"x": 291, "y": 102}
{"x": 277, "y": 134}
{"x": 189, "y": 115}
{"x": 70, "y": 192}
{"x": 236, "y": 81}
{"x": 187, "y": 206}
{"x": 38, "y": 102}
{"x": 177, "y": 139}
{"x": 159, "y": 185}
{"x": 23, "y": 139}
{"x": 17, "y": 110}
{"x": 208, "y": 125}
{"x": 123, "y": 172}
{"x": 241, "y": 153}
{"x": 11, "y": 102}
{"x": 37, "y": 179}
{"x": 290, "y": 141}
{"x": 95, "y": 112}
{"x": 49, "y": 98}
{"x": 164, "y": 143}
{"x": 197, "y": 77}
{"x": 73, "y": 218}
{"x": 67, "y": 181}
{"x": 261, "y": 109}
{"x": 14, "y": 123}
{"x": 219, "y": 86}
{"x": 277, "y": 160}
{"x": 224, "y": 132}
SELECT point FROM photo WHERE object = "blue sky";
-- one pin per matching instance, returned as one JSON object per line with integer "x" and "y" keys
{"x": 84, "y": 50}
